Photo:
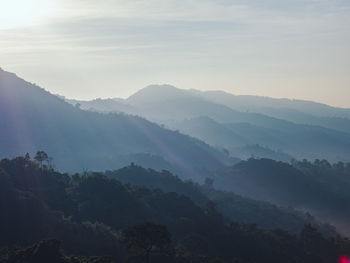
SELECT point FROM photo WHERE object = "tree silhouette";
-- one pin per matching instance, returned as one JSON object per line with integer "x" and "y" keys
{"x": 40, "y": 157}
{"x": 27, "y": 157}
{"x": 142, "y": 240}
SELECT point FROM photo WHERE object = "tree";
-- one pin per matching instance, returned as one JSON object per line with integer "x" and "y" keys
{"x": 49, "y": 161}
{"x": 209, "y": 183}
{"x": 27, "y": 157}
{"x": 40, "y": 157}
{"x": 142, "y": 240}
{"x": 311, "y": 243}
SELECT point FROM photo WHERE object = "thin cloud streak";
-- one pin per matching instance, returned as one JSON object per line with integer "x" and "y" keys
{"x": 206, "y": 44}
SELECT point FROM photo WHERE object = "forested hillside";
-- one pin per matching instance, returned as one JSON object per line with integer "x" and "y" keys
{"x": 318, "y": 187}
{"x": 95, "y": 215}
{"x": 233, "y": 206}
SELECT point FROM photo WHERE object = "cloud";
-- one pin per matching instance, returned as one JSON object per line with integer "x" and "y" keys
{"x": 137, "y": 42}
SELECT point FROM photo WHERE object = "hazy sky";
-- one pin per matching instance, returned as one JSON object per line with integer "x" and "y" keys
{"x": 111, "y": 48}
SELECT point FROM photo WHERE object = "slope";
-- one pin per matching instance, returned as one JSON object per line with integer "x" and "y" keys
{"x": 221, "y": 119}
{"x": 34, "y": 119}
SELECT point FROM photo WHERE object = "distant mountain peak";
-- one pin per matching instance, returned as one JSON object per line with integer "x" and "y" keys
{"x": 157, "y": 88}
{"x": 157, "y": 93}
{"x": 161, "y": 86}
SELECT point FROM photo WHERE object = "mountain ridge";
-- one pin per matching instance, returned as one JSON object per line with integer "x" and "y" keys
{"x": 292, "y": 131}
{"x": 35, "y": 119}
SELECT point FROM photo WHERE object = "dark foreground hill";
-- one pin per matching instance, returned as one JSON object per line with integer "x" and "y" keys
{"x": 92, "y": 214}
{"x": 32, "y": 119}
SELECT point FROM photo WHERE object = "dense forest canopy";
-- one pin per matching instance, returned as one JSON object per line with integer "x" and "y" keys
{"x": 92, "y": 213}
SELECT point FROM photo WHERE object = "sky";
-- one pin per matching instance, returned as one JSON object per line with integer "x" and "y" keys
{"x": 87, "y": 49}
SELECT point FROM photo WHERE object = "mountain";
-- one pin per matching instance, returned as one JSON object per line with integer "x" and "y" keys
{"x": 320, "y": 188}
{"x": 210, "y": 131}
{"x": 298, "y": 111}
{"x": 258, "y": 151}
{"x": 337, "y": 123}
{"x": 237, "y": 139}
{"x": 235, "y": 207}
{"x": 96, "y": 215}
{"x": 237, "y": 122}
{"x": 33, "y": 119}
{"x": 297, "y": 140}
{"x": 104, "y": 105}
{"x": 256, "y": 104}
{"x": 165, "y": 102}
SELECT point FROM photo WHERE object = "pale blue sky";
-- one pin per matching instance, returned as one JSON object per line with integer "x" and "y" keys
{"x": 86, "y": 49}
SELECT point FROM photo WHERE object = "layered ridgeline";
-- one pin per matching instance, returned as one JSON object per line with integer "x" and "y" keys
{"x": 32, "y": 119}
{"x": 243, "y": 125}
{"x": 317, "y": 187}
{"x": 78, "y": 140}
{"x": 231, "y": 205}
{"x": 94, "y": 215}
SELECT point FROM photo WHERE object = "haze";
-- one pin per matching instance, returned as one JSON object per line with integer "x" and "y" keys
{"x": 88, "y": 49}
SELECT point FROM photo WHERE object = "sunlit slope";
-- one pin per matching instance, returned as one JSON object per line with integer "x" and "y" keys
{"x": 33, "y": 119}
